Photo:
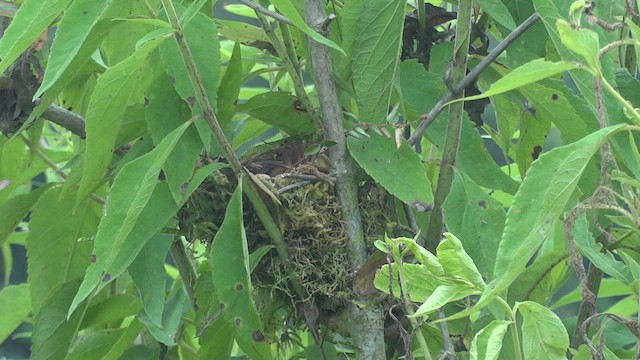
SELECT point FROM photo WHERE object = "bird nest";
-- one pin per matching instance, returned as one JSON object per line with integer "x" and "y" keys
{"x": 312, "y": 227}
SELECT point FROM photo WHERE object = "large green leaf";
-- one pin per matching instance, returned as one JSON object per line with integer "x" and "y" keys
{"x": 108, "y": 344}
{"x": 532, "y": 43}
{"x": 33, "y": 17}
{"x": 53, "y": 332}
{"x": 115, "y": 244}
{"x": 174, "y": 310}
{"x": 376, "y": 54}
{"x": 164, "y": 112}
{"x": 230, "y": 87}
{"x": 54, "y": 254}
{"x": 398, "y": 170}
{"x": 215, "y": 334}
{"x": 279, "y": 109}
{"x": 147, "y": 272}
{"x": 528, "y": 73}
{"x": 73, "y": 30}
{"x": 477, "y": 219}
{"x": 498, "y": 12}
{"x": 422, "y": 89}
{"x": 15, "y": 300}
{"x": 105, "y": 114}
{"x": 487, "y": 343}
{"x": 603, "y": 260}
{"x": 111, "y": 310}
{"x": 543, "y": 334}
{"x": 202, "y": 38}
{"x": 230, "y": 266}
{"x": 14, "y": 211}
{"x": 539, "y": 202}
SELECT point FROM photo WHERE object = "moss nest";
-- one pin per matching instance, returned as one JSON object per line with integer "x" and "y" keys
{"x": 312, "y": 227}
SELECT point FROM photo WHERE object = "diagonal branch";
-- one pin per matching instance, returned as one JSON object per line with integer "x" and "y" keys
{"x": 472, "y": 76}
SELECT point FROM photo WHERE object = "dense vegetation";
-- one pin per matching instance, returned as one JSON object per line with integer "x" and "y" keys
{"x": 313, "y": 180}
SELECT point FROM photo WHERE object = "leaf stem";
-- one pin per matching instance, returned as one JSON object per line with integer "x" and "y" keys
{"x": 234, "y": 162}
{"x": 422, "y": 27}
{"x": 454, "y": 126}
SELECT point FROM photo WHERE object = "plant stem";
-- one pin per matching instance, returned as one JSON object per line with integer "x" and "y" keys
{"x": 515, "y": 336}
{"x": 34, "y": 149}
{"x": 408, "y": 305}
{"x": 366, "y": 319}
{"x": 288, "y": 56}
{"x": 185, "y": 268}
{"x": 454, "y": 126}
{"x": 234, "y": 162}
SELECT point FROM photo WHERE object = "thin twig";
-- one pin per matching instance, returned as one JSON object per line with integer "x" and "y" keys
{"x": 258, "y": 8}
{"x": 34, "y": 149}
{"x": 471, "y": 76}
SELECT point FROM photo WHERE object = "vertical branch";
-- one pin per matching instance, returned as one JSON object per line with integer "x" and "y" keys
{"x": 366, "y": 320}
{"x": 458, "y": 68}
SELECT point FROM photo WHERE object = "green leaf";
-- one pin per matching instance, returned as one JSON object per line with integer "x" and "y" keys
{"x": 376, "y": 54}
{"x": 399, "y": 171}
{"x": 230, "y": 266}
{"x": 15, "y": 209}
{"x": 279, "y": 109}
{"x": 174, "y": 310}
{"x": 457, "y": 263}
{"x": 539, "y": 202}
{"x": 54, "y": 254}
{"x": 72, "y": 31}
{"x": 53, "y": 333}
{"x": 287, "y": 9}
{"x": 543, "y": 334}
{"x": 420, "y": 282}
{"x": 230, "y": 87}
{"x": 528, "y": 73}
{"x": 33, "y": 17}
{"x": 105, "y": 114}
{"x": 583, "y": 42}
{"x": 443, "y": 295}
{"x": 111, "y": 310}
{"x": 71, "y": 75}
{"x": 202, "y": 38}
{"x": 477, "y": 219}
{"x": 215, "y": 334}
{"x": 487, "y": 343}
{"x": 473, "y": 157}
{"x": 147, "y": 272}
{"x": 164, "y": 112}
{"x": 108, "y": 344}
{"x": 325, "y": 352}
{"x": 498, "y": 12}
{"x": 605, "y": 261}
{"x": 115, "y": 247}
{"x": 15, "y": 300}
